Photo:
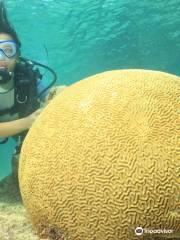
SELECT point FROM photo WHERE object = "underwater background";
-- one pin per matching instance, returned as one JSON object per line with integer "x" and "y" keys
{"x": 85, "y": 37}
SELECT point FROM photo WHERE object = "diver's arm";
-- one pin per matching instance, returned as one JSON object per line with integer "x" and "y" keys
{"x": 11, "y": 128}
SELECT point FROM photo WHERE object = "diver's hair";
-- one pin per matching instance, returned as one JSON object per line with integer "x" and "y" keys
{"x": 5, "y": 26}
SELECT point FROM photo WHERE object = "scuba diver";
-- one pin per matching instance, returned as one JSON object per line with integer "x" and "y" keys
{"x": 21, "y": 88}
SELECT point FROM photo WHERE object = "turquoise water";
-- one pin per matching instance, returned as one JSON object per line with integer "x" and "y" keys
{"x": 86, "y": 37}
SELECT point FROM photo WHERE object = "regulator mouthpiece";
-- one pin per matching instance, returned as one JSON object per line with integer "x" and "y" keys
{"x": 5, "y": 76}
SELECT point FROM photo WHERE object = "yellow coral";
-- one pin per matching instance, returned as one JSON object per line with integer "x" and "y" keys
{"x": 102, "y": 158}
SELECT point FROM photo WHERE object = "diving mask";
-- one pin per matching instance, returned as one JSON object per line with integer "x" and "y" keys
{"x": 8, "y": 49}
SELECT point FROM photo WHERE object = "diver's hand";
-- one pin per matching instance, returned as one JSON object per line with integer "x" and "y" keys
{"x": 29, "y": 120}
{"x": 14, "y": 127}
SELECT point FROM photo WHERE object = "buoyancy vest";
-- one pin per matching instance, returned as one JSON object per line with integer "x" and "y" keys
{"x": 24, "y": 93}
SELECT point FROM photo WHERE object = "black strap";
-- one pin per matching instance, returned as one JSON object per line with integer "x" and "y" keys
{"x": 10, "y": 111}
{"x": 21, "y": 137}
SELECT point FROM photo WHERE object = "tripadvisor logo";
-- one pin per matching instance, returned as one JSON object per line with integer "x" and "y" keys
{"x": 139, "y": 231}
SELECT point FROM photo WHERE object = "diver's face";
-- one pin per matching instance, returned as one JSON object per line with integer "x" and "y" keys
{"x": 7, "y": 62}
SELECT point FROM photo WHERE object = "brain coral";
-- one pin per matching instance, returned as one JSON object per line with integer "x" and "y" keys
{"x": 102, "y": 158}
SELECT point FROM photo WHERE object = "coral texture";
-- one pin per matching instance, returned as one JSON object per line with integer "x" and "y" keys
{"x": 102, "y": 158}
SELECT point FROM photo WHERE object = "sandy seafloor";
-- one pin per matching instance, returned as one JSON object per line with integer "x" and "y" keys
{"x": 14, "y": 223}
